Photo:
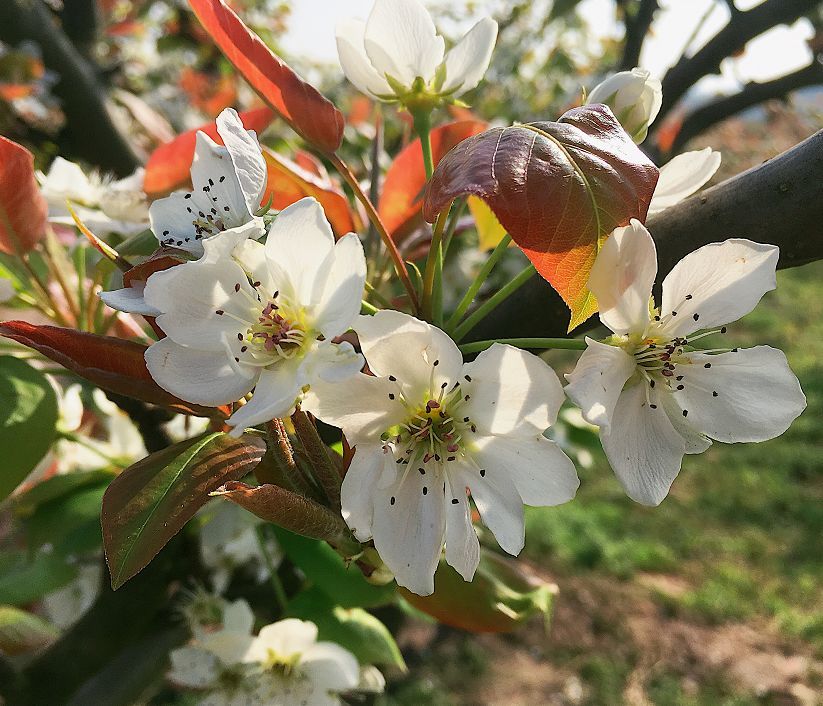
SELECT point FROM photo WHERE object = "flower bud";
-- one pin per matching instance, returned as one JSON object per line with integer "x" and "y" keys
{"x": 634, "y": 97}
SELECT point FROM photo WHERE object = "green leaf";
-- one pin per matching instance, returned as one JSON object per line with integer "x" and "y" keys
{"x": 28, "y": 420}
{"x": 344, "y": 585}
{"x": 58, "y": 487}
{"x": 25, "y": 580}
{"x": 353, "y": 628}
{"x": 71, "y": 523}
{"x": 22, "y": 632}
{"x": 149, "y": 502}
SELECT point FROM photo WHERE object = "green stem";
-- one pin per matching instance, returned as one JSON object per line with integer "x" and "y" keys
{"x": 572, "y": 344}
{"x": 456, "y": 213}
{"x": 493, "y": 302}
{"x": 474, "y": 288}
{"x": 434, "y": 261}
{"x": 274, "y": 579}
{"x": 423, "y": 126}
{"x": 366, "y": 308}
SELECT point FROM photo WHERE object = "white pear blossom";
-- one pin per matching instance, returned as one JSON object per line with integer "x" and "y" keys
{"x": 282, "y": 666}
{"x": 634, "y": 97}
{"x": 656, "y": 398}
{"x": 263, "y": 319}
{"x": 427, "y": 428}
{"x": 228, "y": 184}
{"x": 397, "y": 54}
{"x": 103, "y": 205}
{"x": 682, "y": 176}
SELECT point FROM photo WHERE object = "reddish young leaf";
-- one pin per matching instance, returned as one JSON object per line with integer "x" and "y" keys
{"x": 402, "y": 194}
{"x": 149, "y": 502}
{"x": 23, "y": 209}
{"x": 110, "y": 363}
{"x": 161, "y": 259}
{"x": 309, "y": 113}
{"x": 289, "y": 182}
{"x": 558, "y": 188}
{"x": 295, "y": 513}
{"x": 169, "y": 165}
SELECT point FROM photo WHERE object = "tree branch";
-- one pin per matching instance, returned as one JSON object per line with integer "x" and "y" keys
{"x": 704, "y": 117}
{"x": 779, "y": 202}
{"x": 90, "y": 133}
{"x": 637, "y": 22}
{"x": 742, "y": 27}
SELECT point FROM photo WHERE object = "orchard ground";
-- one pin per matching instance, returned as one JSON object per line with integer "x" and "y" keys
{"x": 713, "y": 598}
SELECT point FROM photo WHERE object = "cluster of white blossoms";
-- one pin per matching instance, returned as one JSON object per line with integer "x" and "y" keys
{"x": 259, "y": 326}
{"x": 282, "y": 665}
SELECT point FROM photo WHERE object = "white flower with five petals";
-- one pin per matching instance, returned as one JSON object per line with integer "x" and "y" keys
{"x": 397, "y": 53}
{"x": 427, "y": 428}
{"x": 247, "y": 316}
{"x": 653, "y": 396}
{"x": 228, "y": 184}
{"x": 284, "y": 664}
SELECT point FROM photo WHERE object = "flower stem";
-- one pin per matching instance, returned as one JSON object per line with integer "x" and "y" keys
{"x": 492, "y": 303}
{"x": 565, "y": 343}
{"x": 434, "y": 263}
{"x": 474, "y": 287}
{"x": 423, "y": 126}
{"x": 377, "y": 222}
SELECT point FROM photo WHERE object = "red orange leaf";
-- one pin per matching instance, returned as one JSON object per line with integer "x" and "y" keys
{"x": 558, "y": 188}
{"x": 401, "y": 198}
{"x": 289, "y": 182}
{"x": 169, "y": 165}
{"x": 23, "y": 209}
{"x": 110, "y": 363}
{"x": 309, "y": 113}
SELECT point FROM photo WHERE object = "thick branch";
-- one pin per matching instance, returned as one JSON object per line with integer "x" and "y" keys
{"x": 90, "y": 132}
{"x": 742, "y": 27}
{"x": 638, "y": 18}
{"x": 779, "y": 202}
{"x": 753, "y": 93}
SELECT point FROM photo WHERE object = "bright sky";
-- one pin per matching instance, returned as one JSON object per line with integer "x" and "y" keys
{"x": 774, "y": 54}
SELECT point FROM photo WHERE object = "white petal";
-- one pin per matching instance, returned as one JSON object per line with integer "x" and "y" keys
{"x": 128, "y": 299}
{"x": 362, "y": 406}
{"x": 542, "y": 474}
{"x": 682, "y": 176}
{"x": 622, "y": 278}
{"x": 246, "y": 157}
{"x": 240, "y": 240}
{"x": 696, "y": 443}
{"x": 353, "y": 59}
{"x": 717, "y": 284}
{"x": 758, "y": 396}
{"x": 190, "y": 295}
{"x": 401, "y": 40}
{"x": 409, "y": 528}
{"x": 333, "y": 362}
{"x": 462, "y": 544}
{"x": 467, "y": 61}
{"x": 229, "y": 647}
{"x": 215, "y": 183}
{"x": 499, "y": 504}
{"x": 421, "y": 356}
{"x": 330, "y": 667}
{"x": 193, "y": 668}
{"x": 598, "y": 379}
{"x": 643, "y": 448}
{"x": 510, "y": 391}
{"x": 202, "y": 377}
{"x": 285, "y": 638}
{"x": 172, "y": 223}
{"x": 299, "y": 240}
{"x": 339, "y": 287}
{"x": 356, "y": 493}
{"x": 275, "y": 395}
{"x": 237, "y": 617}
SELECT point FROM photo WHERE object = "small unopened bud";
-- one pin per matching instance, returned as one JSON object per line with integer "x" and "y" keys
{"x": 634, "y": 98}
